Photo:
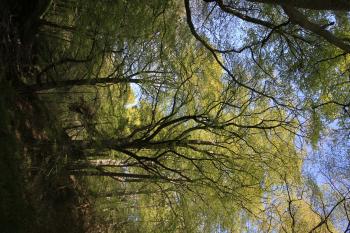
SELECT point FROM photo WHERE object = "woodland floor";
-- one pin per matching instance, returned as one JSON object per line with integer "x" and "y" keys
{"x": 36, "y": 195}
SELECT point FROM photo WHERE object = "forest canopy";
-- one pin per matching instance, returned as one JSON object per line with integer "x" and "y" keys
{"x": 194, "y": 115}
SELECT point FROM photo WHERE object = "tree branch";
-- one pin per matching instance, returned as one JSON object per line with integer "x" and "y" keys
{"x": 337, "y": 5}
{"x": 298, "y": 18}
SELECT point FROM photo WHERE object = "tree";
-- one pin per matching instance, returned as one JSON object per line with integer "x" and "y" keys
{"x": 282, "y": 53}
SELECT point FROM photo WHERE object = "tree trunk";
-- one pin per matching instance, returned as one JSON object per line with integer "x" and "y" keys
{"x": 44, "y": 22}
{"x": 337, "y": 5}
{"x": 116, "y": 174}
{"x": 80, "y": 82}
{"x": 119, "y": 144}
{"x": 97, "y": 163}
{"x": 132, "y": 193}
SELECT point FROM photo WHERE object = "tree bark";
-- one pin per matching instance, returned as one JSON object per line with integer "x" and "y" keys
{"x": 132, "y": 193}
{"x": 81, "y": 82}
{"x": 98, "y": 163}
{"x": 122, "y": 145}
{"x": 116, "y": 174}
{"x": 337, "y": 5}
{"x": 127, "y": 177}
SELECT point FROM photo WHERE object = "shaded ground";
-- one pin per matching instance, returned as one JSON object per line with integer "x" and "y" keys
{"x": 36, "y": 194}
